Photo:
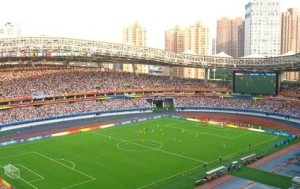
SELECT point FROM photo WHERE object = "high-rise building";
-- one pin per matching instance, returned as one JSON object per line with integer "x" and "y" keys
{"x": 230, "y": 36}
{"x": 135, "y": 35}
{"x": 194, "y": 40}
{"x": 290, "y": 31}
{"x": 174, "y": 40}
{"x": 213, "y": 46}
{"x": 174, "y": 43}
{"x": 262, "y": 28}
{"x": 290, "y": 37}
{"x": 197, "y": 39}
{"x": 10, "y": 30}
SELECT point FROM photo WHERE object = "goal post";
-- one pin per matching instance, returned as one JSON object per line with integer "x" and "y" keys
{"x": 11, "y": 171}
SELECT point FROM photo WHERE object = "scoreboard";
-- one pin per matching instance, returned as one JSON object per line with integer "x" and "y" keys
{"x": 255, "y": 83}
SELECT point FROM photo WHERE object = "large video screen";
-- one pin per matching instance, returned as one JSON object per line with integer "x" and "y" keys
{"x": 255, "y": 83}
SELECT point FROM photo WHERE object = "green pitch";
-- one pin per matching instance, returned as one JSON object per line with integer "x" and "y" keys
{"x": 162, "y": 153}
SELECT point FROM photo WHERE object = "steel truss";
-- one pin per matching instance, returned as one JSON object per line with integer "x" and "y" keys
{"x": 97, "y": 51}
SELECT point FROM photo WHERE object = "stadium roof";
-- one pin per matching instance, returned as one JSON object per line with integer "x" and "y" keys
{"x": 289, "y": 53}
{"x": 254, "y": 56}
{"x": 223, "y": 54}
{"x": 189, "y": 51}
{"x": 36, "y": 49}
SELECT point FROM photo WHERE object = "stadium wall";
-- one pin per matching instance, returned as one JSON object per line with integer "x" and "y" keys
{"x": 135, "y": 120}
{"x": 81, "y": 120}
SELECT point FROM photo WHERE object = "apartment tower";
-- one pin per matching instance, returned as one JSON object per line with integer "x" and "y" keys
{"x": 290, "y": 37}
{"x": 230, "y": 36}
{"x": 262, "y": 28}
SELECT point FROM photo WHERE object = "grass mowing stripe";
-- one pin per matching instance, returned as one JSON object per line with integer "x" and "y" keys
{"x": 185, "y": 157}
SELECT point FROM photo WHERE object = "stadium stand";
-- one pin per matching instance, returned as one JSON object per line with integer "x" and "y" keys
{"x": 42, "y": 81}
{"x": 240, "y": 103}
{"x": 34, "y": 112}
{"x": 45, "y": 80}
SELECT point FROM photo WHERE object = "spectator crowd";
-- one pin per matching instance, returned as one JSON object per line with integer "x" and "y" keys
{"x": 35, "y": 112}
{"x": 54, "y": 80}
{"x": 51, "y": 80}
{"x": 240, "y": 103}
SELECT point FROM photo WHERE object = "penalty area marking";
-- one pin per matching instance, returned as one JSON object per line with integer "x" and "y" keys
{"x": 66, "y": 160}
{"x": 82, "y": 173}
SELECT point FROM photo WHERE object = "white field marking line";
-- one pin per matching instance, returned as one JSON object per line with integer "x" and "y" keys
{"x": 41, "y": 177}
{"x": 64, "y": 165}
{"x": 71, "y": 162}
{"x": 167, "y": 178}
{"x": 161, "y": 145}
{"x": 196, "y": 132}
{"x": 149, "y": 147}
{"x": 223, "y": 129}
{"x": 29, "y": 183}
{"x": 199, "y": 132}
{"x": 198, "y": 124}
{"x": 246, "y": 133}
{"x": 247, "y": 148}
{"x": 25, "y": 181}
{"x": 16, "y": 155}
{"x": 34, "y": 180}
{"x": 37, "y": 141}
{"x": 71, "y": 186}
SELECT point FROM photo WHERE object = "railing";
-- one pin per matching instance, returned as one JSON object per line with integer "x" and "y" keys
{"x": 239, "y": 110}
{"x": 73, "y": 115}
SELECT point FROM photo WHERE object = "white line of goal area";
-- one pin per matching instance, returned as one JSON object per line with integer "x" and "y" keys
{"x": 38, "y": 175}
{"x": 41, "y": 177}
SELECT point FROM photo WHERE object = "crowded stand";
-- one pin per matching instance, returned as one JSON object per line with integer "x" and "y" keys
{"x": 240, "y": 103}
{"x": 35, "y": 112}
{"x": 45, "y": 81}
{"x": 40, "y": 81}
{"x": 44, "y": 111}
{"x": 292, "y": 87}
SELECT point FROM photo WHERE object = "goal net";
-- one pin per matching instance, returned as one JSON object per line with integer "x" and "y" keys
{"x": 11, "y": 171}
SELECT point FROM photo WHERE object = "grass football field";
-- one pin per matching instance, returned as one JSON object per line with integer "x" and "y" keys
{"x": 162, "y": 153}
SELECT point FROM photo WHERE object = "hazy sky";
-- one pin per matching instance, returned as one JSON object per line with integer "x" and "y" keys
{"x": 105, "y": 20}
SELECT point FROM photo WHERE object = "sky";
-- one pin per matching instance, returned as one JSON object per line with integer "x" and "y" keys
{"x": 104, "y": 20}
